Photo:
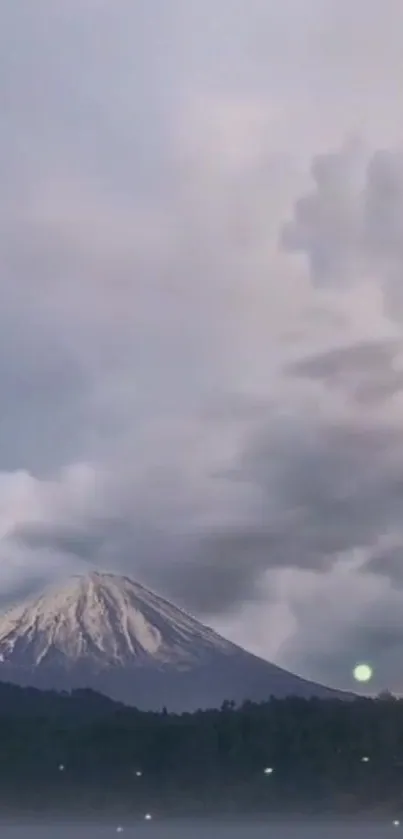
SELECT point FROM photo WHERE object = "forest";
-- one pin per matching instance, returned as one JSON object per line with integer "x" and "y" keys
{"x": 83, "y": 754}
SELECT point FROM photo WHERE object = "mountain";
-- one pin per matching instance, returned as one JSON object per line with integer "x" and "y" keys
{"x": 112, "y": 635}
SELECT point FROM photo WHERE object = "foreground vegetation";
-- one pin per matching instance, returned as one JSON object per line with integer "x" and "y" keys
{"x": 83, "y": 754}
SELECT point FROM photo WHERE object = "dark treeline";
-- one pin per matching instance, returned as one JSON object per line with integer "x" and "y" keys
{"x": 83, "y": 754}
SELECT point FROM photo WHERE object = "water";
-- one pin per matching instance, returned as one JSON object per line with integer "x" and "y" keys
{"x": 205, "y": 830}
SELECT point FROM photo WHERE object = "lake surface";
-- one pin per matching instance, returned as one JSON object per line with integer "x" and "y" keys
{"x": 205, "y": 830}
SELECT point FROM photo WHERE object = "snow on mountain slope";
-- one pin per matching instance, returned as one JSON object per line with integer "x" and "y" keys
{"x": 105, "y": 619}
{"x": 111, "y": 634}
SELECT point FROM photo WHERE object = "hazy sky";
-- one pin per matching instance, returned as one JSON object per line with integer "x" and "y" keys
{"x": 201, "y": 308}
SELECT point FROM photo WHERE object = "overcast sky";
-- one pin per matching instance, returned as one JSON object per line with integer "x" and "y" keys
{"x": 201, "y": 309}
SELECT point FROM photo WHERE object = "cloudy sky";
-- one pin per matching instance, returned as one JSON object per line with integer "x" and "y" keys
{"x": 201, "y": 310}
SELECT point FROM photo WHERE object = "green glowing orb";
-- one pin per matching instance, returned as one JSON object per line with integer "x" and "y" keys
{"x": 362, "y": 672}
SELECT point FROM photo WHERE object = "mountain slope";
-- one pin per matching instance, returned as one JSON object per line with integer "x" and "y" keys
{"x": 111, "y": 634}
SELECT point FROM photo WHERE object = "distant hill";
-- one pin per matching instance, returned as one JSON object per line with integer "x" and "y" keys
{"x": 108, "y": 633}
{"x": 84, "y": 704}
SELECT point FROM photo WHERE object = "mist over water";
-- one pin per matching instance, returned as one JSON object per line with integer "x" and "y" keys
{"x": 206, "y": 830}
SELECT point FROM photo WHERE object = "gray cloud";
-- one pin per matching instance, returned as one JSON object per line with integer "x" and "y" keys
{"x": 329, "y": 493}
{"x": 219, "y": 573}
{"x": 368, "y": 372}
{"x": 343, "y": 481}
{"x": 350, "y": 225}
{"x": 326, "y": 223}
{"x": 387, "y": 561}
{"x": 83, "y": 544}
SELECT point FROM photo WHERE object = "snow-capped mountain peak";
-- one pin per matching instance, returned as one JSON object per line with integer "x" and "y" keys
{"x": 106, "y": 619}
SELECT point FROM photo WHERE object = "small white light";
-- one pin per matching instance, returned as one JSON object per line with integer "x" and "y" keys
{"x": 396, "y": 823}
{"x": 365, "y": 760}
{"x": 61, "y": 767}
{"x": 119, "y": 829}
{"x": 148, "y": 817}
{"x": 269, "y": 770}
{"x": 138, "y": 773}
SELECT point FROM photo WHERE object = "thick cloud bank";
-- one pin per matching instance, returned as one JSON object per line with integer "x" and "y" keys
{"x": 201, "y": 310}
